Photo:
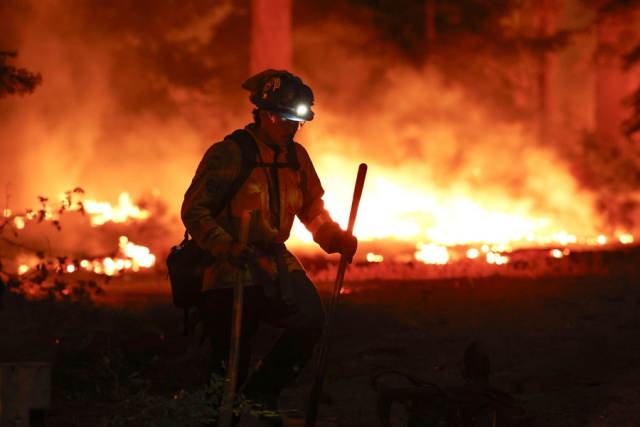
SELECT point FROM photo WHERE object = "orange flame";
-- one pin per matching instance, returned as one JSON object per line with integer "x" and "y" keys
{"x": 102, "y": 212}
{"x": 437, "y": 223}
{"x": 130, "y": 257}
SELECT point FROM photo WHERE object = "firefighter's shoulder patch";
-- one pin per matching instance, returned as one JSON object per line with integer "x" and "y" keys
{"x": 212, "y": 186}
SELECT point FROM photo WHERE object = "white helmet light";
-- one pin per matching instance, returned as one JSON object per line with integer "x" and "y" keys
{"x": 301, "y": 110}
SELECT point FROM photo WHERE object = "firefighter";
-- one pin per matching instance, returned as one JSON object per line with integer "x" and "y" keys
{"x": 282, "y": 184}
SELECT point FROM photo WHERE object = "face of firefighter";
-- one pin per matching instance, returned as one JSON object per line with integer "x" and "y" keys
{"x": 277, "y": 130}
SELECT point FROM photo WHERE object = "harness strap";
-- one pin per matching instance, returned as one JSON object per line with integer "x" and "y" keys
{"x": 249, "y": 148}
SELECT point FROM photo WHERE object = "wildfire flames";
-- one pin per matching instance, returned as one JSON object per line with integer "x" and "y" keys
{"x": 488, "y": 236}
{"x": 129, "y": 258}
{"x": 436, "y": 226}
{"x": 103, "y": 212}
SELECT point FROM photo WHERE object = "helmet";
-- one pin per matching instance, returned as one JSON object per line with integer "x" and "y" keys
{"x": 281, "y": 93}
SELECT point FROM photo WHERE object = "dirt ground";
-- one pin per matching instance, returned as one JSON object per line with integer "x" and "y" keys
{"x": 566, "y": 348}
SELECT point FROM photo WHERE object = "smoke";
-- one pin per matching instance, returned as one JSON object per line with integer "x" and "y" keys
{"x": 429, "y": 135}
{"x": 134, "y": 92}
{"x": 122, "y": 107}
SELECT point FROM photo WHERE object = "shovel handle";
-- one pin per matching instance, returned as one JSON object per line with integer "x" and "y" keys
{"x": 230, "y": 383}
{"x": 316, "y": 391}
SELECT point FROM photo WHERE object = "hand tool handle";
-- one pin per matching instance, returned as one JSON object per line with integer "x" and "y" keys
{"x": 230, "y": 383}
{"x": 316, "y": 391}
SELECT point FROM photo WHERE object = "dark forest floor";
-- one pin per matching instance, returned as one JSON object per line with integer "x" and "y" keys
{"x": 567, "y": 349}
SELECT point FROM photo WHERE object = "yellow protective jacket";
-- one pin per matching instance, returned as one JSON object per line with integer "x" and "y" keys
{"x": 299, "y": 194}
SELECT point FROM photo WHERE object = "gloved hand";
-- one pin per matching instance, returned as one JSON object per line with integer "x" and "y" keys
{"x": 240, "y": 254}
{"x": 235, "y": 253}
{"x": 345, "y": 244}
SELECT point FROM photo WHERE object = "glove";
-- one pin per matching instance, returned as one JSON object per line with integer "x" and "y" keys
{"x": 240, "y": 254}
{"x": 345, "y": 244}
{"x": 235, "y": 253}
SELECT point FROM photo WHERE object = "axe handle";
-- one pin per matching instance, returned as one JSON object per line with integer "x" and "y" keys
{"x": 316, "y": 391}
{"x": 230, "y": 383}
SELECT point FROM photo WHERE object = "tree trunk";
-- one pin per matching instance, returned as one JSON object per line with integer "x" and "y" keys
{"x": 271, "y": 44}
{"x": 430, "y": 25}
{"x": 547, "y": 64}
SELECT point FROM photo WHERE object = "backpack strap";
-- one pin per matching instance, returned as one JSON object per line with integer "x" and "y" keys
{"x": 292, "y": 157}
{"x": 249, "y": 150}
{"x": 291, "y": 163}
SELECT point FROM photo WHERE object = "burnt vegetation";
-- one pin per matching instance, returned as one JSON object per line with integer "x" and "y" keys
{"x": 47, "y": 279}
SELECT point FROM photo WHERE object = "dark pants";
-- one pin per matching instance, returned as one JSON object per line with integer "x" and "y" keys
{"x": 301, "y": 325}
